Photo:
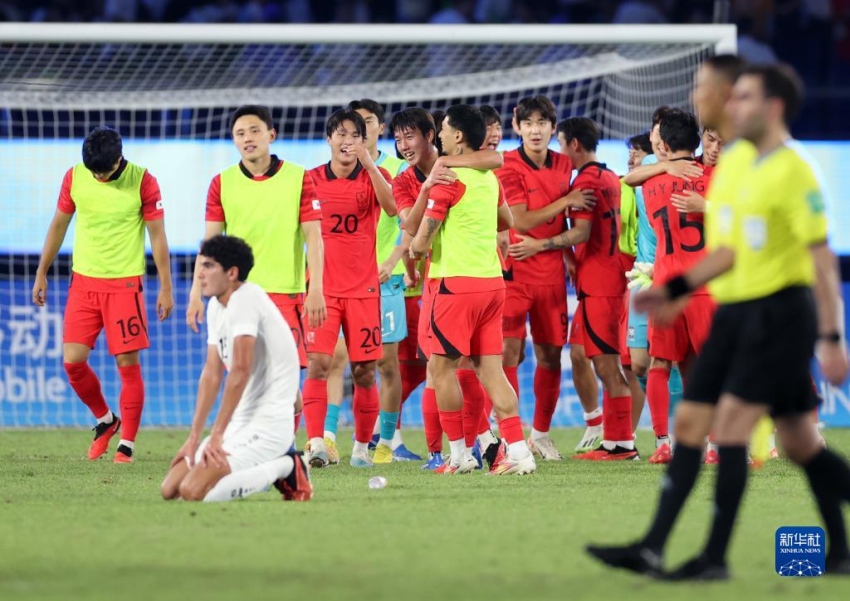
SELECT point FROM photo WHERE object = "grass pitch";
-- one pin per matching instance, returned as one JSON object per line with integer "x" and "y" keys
{"x": 71, "y": 529}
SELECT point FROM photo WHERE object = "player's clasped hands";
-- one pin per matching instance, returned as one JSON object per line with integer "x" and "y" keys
{"x": 412, "y": 282}
{"x": 525, "y": 248}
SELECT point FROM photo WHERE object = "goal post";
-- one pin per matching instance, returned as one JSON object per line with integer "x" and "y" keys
{"x": 169, "y": 90}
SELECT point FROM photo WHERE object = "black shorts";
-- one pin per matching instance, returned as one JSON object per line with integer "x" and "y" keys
{"x": 761, "y": 352}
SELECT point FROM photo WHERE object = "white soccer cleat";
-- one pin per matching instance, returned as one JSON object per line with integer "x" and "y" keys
{"x": 591, "y": 440}
{"x": 545, "y": 449}
{"x": 361, "y": 459}
{"x": 468, "y": 464}
{"x": 518, "y": 467}
{"x": 317, "y": 455}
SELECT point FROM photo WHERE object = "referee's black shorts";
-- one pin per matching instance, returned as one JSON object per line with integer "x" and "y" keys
{"x": 760, "y": 351}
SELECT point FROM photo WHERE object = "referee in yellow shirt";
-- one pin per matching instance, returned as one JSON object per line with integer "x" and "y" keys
{"x": 777, "y": 284}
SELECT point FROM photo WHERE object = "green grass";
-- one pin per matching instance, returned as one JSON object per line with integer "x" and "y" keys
{"x": 73, "y": 529}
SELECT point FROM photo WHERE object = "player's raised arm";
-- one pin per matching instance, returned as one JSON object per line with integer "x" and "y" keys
{"x": 52, "y": 243}
{"x": 380, "y": 179}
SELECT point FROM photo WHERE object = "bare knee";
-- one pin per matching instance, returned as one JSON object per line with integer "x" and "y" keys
{"x": 318, "y": 366}
{"x": 192, "y": 491}
{"x": 363, "y": 374}
{"x": 578, "y": 358}
{"x": 548, "y": 356}
{"x": 693, "y": 421}
{"x": 169, "y": 490}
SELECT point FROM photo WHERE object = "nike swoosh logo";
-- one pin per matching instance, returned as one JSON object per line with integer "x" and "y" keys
{"x": 532, "y": 190}
{"x": 369, "y": 351}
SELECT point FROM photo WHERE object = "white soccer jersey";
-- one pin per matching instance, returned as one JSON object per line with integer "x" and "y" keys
{"x": 273, "y": 385}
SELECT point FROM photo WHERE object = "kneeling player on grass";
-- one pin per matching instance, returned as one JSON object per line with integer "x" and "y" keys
{"x": 249, "y": 447}
{"x": 461, "y": 222}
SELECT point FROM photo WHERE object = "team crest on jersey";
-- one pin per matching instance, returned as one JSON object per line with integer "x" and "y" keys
{"x": 158, "y": 205}
{"x": 362, "y": 201}
{"x": 430, "y": 203}
{"x": 317, "y": 205}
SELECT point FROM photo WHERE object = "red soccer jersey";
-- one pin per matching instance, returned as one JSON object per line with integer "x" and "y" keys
{"x": 599, "y": 271}
{"x": 681, "y": 241}
{"x": 309, "y": 212}
{"x": 149, "y": 192}
{"x": 536, "y": 187}
{"x": 406, "y": 188}
{"x": 350, "y": 211}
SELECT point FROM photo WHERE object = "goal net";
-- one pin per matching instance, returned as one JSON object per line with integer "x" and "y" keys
{"x": 169, "y": 90}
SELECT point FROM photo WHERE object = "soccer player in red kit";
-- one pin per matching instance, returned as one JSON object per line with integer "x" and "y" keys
{"x": 536, "y": 181}
{"x": 681, "y": 244}
{"x": 461, "y": 221}
{"x": 352, "y": 190}
{"x": 601, "y": 283}
{"x": 415, "y": 134}
{"x": 115, "y": 201}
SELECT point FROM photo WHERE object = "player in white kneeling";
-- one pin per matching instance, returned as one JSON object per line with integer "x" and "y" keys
{"x": 250, "y": 445}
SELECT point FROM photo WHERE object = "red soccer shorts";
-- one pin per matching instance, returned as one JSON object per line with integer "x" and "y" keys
{"x": 625, "y": 355}
{"x": 424, "y": 330}
{"x": 116, "y": 305}
{"x": 467, "y": 324}
{"x": 596, "y": 325}
{"x": 291, "y": 306}
{"x": 546, "y": 308}
{"x": 408, "y": 349}
{"x": 686, "y": 334}
{"x": 360, "y": 319}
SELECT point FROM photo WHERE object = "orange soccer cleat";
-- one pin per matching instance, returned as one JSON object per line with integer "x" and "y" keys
{"x": 102, "y": 435}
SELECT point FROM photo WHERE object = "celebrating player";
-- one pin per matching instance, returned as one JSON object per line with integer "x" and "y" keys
{"x": 271, "y": 204}
{"x": 767, "y": 236}
{"x": 115, "y": 201}
{"x": 352, "y": 190}
{"x": 461, "y": 223}
{"x": 249, "y": 445}
{"x": 680, "y": 245}
{"x": 536, "y": 181}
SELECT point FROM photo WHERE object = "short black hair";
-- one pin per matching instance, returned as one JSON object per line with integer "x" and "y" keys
{"x": 491, "y": 115}
{"x": 413, "y": 119}
{"x": 229, "y": 251}
{"x": 438, "y": 116}
{"x": 659, "y": 113}
{"x": 780, "y": 81}
{"x": 728, "y": 66}
{"x": 470, "y": 121}
{"x": 341, "y": 115}
{"x": 367, "y": 104}
{"x": 640, "y": 142}
{"x": 102, "y": 148}
{"x": 260, "y": 112}
{"x": 582, "y": 129}
{"x": 528, "y": 105}
{"x": 679, "y": 131}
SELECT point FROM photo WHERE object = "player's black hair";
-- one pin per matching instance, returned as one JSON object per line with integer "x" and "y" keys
{"x": 367, "y": 104}
{"x": 528, "y": 105}
{"x": 659, "y": 113}
{"x": 728, "y": 66}
{"x": 640, "y": 142}
{"x": 260, "y": 112}
{"x": 438, "y": 116}
{"x": 102, "y": 149}
{"x": 468, "y": 120}
{"x": 582, "y": 129}
{"x": 413, "y": 119}
{"x": 229, "y": 251}
{"x": 341, "y": 115}
{"x": 782, "y": 82}
{"x": 680, "y": 131}
{"x": 491, "y": 115}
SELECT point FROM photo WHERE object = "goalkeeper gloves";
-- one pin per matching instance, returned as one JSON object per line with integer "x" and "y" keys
{"x": 640, "y": 277}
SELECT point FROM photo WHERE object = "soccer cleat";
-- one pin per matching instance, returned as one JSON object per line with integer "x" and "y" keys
{"x": 662, "y": 454}
{"x": 124, "y": 454}
{"x": 591, "y": 440}
{"x": 699, "y": 569}
{"x": 373, "y": 443}
{"x": 476, "y": 453}
{"x": 296, "y": 486}
{"x": 441, "y": 469}
{"x": 712, "y": 457}
{"x": 467, "y": 465}
{"x": 332, "y": 450}
{"x": 383, "y": 454}
{"x": 402, "y": 453}
{"x": 102, "y": 434}
{"x": 635, "y": 558}
{"x": 495, "y": 454}
{"x": 616, "y": 454}
{"x": 545, "y": 449}
{"x": 361, "y": 459}
{"x": 435, "y": 460}
{"x": 318, "y": 456}
{"x": 509, "y": 466}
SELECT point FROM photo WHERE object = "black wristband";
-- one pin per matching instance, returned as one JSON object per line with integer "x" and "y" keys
{"x": 833, "y": 337}
{"x": 678, "y": 287}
